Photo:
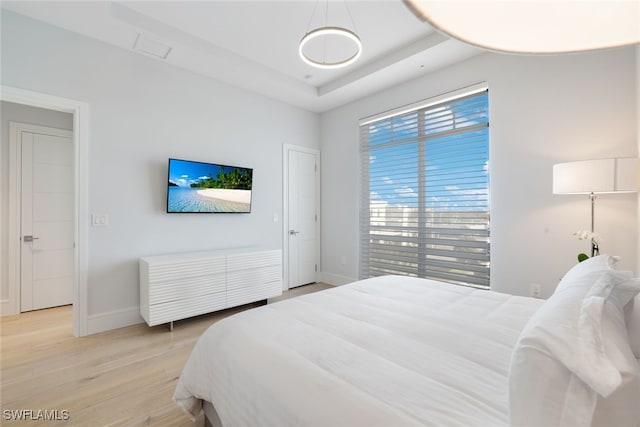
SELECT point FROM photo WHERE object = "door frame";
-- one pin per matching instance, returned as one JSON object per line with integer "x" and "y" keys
{"x": 286, "y": 148}
{"x": 80, "y": 112}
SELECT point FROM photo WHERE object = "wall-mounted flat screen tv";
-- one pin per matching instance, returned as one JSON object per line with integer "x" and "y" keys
{"x": 197, "y": 187}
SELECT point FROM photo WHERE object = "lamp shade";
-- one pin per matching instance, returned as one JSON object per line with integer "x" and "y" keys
{"x": 596, "y": 176}
{"x": 535, "y": 26}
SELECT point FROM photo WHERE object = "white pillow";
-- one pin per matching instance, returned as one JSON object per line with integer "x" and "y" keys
{"x": 632, "y": 316}
{"x": 631, "y": 309}
{"x": 572, "y": 364}
{"x": 591, "y": 265}
{"x": 622, "y": 408}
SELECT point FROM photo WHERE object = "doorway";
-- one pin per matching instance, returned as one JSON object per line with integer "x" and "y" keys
{"x": 302, "y": 215}
{"x": 80, "y": 112}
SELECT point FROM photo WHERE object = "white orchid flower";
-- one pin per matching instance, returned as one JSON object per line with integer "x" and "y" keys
{"x": 595, "y": 240}
{"x": 588, "y": 235}
{"x": 580, "y": 234}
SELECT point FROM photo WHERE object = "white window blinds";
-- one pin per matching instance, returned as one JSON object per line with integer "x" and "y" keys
{"x": 425, "y": 191}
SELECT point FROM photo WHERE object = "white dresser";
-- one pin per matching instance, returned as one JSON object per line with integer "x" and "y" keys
{"x": 177, "y": 286}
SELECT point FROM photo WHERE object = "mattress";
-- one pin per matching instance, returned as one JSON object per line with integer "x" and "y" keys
{"x": 387, "y": 351}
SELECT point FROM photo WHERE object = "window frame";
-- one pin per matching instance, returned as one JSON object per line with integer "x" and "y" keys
{"x": 419, "y": 250}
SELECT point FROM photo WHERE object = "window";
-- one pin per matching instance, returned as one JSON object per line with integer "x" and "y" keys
{"x": 425, "y": 190}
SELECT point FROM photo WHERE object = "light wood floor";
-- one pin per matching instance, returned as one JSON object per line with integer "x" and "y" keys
{"x": 124, "y": 377}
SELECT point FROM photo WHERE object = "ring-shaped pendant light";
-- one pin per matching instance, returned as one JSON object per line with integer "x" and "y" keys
{"x": 330, "y": 31}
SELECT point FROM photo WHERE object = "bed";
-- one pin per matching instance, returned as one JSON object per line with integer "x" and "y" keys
{"x": 387, "y": 351}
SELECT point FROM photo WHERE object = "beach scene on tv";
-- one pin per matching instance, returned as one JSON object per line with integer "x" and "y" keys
{"x": 208, "y": 188}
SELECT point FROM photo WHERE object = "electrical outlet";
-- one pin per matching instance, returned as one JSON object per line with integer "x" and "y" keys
{"x": 535, "y": 290}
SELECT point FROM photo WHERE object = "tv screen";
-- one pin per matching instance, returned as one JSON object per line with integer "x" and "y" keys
{"x": 197, "y": 187}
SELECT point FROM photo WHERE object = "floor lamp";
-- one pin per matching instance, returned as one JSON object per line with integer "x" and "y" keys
{"x": 591, "y": 177}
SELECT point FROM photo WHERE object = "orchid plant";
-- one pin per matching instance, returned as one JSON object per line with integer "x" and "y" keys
{"x": 595, "y": 243}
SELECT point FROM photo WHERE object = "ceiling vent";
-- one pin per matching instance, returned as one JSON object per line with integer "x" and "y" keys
{"x": 151, "y": 47}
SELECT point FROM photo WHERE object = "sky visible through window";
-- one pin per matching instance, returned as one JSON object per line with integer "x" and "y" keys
{"x": 456, "y": 157}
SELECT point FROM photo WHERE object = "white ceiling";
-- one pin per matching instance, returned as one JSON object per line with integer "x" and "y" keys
{"x": 254, "y": 44}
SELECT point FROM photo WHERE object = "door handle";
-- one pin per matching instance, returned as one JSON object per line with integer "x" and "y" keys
{"x": 29, "y": 238}
{"x": 293, "y": 232}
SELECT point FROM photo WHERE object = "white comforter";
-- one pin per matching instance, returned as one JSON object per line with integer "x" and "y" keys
{"x": 389, "y": 351}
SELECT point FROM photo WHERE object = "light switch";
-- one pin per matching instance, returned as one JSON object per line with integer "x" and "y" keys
{"x": 99, "y": 220}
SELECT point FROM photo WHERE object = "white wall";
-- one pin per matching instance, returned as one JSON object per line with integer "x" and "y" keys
{"x": 141, "y": 113}
{"x": 10, "y": 112}
{"x": 543, "y": 110}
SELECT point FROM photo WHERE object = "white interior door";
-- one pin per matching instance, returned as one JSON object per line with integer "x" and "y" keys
{"x": 302, "y": 215}
{"x": 46, "y": 219}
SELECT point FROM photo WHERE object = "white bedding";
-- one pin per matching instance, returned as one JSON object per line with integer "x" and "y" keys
{"x": 388, "y": 351}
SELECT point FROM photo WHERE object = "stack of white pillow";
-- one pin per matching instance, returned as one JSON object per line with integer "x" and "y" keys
{"x": 575, "y": 363}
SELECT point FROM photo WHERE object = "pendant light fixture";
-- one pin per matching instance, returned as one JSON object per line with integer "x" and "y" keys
{"x": 330, "y": 37}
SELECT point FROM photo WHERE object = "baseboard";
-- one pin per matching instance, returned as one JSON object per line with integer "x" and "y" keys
{"x": 7, "y": 309}
{"x": 335, "y": 279}
{"x": 102, "y": 322}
